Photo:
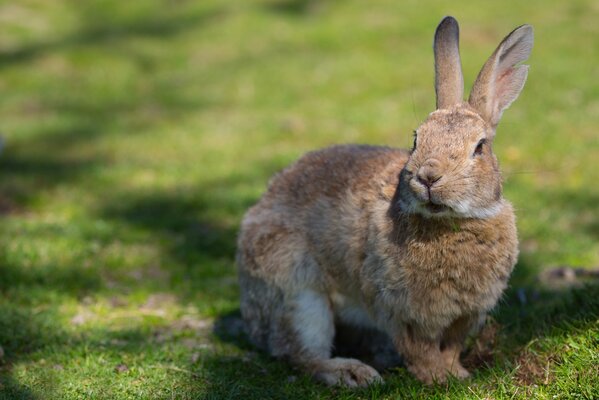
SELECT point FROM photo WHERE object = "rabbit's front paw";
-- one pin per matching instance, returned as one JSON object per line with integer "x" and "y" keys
{"x": 459, "y": 372}
{"x": 429, "y": 374}
{"x": 346, "y": 372}
{"x": 438, "y": 374}
{"x": 451, "y": 358}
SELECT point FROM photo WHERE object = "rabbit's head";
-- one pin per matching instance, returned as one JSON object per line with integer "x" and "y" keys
{"x": 452, "y": 171}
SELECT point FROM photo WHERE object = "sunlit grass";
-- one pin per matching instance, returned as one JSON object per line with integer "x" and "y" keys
{"x": 138, "y": 133}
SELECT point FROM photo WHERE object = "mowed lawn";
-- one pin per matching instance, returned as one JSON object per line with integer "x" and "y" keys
{"x": 136, "y": 134}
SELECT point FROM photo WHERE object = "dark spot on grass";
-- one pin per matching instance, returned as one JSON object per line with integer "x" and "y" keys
{"x": 534, "y": 368}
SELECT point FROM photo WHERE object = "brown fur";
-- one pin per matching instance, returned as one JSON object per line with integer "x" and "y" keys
{"x": 351, "y": 234}
{"x": 449, "y": 81}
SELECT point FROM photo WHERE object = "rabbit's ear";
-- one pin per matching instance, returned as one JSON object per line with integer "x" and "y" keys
{"x": 449, "y": 81}
{"x": 501, "y": 79}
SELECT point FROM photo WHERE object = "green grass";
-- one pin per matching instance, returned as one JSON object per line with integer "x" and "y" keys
{"x": 138, "y": 133}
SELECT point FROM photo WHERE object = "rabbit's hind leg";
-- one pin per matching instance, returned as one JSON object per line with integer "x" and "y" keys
{"x": 285, "y": 306}
{"x": 309, "y": 324}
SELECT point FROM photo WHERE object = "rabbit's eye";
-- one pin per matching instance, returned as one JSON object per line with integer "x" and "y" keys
{"x": 414, "y": 145}
{"x": 479, "y": 147}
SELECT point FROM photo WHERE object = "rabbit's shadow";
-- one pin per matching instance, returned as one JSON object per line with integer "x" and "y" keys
{"x": 253, "y": 373}
{"x": 368, "y": 345}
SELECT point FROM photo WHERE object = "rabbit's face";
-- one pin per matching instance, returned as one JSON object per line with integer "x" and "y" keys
{"x": 452, "y": 171}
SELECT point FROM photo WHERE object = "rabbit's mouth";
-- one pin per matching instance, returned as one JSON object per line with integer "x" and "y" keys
{"x": 434, "y": 208}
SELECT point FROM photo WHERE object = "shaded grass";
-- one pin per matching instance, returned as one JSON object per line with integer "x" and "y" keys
{"x": 138, "y": 133}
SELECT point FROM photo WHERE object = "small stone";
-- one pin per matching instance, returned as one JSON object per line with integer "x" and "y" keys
{"x": 121, "y": 368}
{"x": 291, "y": 379}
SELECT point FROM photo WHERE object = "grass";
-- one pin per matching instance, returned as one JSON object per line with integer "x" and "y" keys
{"x": 137, "y": 134}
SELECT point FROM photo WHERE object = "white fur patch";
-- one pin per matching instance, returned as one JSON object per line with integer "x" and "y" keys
{"x": 465, "y": 209}
{"x": 313, "y": 321}
{"x": 459, "y": 209}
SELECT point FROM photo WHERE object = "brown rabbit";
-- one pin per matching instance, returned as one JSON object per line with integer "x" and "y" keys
{"x": 418, "y": 244}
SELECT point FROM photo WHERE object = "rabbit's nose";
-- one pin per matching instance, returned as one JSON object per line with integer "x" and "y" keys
{"x": 429, "y": 173}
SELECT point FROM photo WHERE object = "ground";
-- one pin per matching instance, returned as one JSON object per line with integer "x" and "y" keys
{"x": 136, "y": 134}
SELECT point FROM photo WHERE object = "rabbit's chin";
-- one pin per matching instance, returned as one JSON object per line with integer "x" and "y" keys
{"x": 449, "y": 209}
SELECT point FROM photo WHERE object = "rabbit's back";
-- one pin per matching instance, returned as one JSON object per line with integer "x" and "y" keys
{"x": 334, "y": 172}
{"x": 319, "y": 207}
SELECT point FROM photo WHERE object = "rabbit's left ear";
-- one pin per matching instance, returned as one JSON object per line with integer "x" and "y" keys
{"x": 501, "y": 79}
{"x": 449, "y": 81}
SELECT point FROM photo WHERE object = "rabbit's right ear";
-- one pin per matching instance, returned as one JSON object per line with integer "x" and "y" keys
{"x": 501, "y": 79}
{"x": 449, "y": 81}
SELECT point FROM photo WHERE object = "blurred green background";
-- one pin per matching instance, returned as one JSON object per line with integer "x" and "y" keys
{"x": 136, "y": 134}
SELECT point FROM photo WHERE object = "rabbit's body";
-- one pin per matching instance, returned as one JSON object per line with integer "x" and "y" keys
{"x": 418, "y": 244}
{"x": 370, "y": 266}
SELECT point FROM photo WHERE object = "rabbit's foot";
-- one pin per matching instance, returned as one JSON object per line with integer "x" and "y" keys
{"x": 451, "y": 358}
{"x": 429, "y": 375}
{"x": 459, "y": 372}
{"x": 438, "y": 374}
{"x": 345, "y": 372}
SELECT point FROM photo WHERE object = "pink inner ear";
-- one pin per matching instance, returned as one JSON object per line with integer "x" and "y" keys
{"x": 508, "y": 86}
{"x": 502, "y": 84}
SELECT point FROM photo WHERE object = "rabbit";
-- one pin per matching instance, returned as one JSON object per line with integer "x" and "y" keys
{"x": 418, "y": 244}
